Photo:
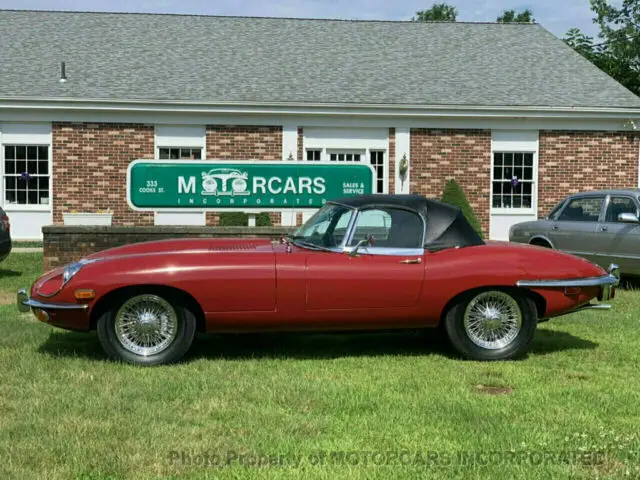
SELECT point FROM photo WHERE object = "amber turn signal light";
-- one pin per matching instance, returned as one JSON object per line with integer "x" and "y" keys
{"x": 41, "y": 315}
{"x": 85, "y": 294}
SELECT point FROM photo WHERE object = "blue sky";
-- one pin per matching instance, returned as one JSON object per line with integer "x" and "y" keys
{"x": 555, "y": 15}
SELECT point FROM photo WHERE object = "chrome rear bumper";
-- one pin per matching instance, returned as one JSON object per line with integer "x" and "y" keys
{"x": 612, "y": 279}
{"x": 607, "y": 282}
{"x": 25, "y": 304}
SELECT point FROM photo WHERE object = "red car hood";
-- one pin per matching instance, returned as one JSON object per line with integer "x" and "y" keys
{"x": 183, "y": 245}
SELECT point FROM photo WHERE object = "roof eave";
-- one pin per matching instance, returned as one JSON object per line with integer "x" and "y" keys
{"x": 293, "y": 108}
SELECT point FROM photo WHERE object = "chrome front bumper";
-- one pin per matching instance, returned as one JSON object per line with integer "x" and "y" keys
{"x": 25, "y": 304}
{"x": 607, "y": 282}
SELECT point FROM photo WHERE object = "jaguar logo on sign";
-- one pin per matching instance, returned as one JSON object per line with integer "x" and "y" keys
{"x": 244, "y": 186}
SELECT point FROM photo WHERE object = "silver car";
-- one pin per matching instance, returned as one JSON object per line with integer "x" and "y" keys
{"x": 601, "y": 226}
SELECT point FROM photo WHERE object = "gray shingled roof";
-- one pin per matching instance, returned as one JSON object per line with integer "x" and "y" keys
{"x": 234, "y": 59}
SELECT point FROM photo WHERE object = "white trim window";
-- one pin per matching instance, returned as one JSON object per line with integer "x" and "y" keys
{"x": 27, "y": 174}
{"x": 513, "y": 180}
{"x": 345, "y": 156}
{"x": 180, "y": 153}
{"x": 376, "y": 159}
{"x": 180, "y": 143}
{"x": 314, "y": 154}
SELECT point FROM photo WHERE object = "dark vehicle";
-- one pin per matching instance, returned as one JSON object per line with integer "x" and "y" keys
{"x": 5, "y": 235}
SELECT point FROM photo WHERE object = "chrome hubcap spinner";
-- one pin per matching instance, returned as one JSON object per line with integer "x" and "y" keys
{"x": 146, "y": 325}
{"x": 492, "y": 320}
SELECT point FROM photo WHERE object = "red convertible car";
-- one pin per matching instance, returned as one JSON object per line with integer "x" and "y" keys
{"x": 360, "y": 263}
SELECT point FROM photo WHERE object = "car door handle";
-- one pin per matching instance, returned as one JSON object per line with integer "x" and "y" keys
{"x": 411, "y": 260}
{"x": 603, "y": 228}
{"x": 555, "y": 227}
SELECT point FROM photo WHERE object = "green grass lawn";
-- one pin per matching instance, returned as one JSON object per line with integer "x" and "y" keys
{"x": 26, "y": 244}
{"x": 388, "y": 405}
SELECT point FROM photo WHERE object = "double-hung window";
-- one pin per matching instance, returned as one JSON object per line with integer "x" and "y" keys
{"x": 26, "y": 174}
{"x": 512, "y": 180}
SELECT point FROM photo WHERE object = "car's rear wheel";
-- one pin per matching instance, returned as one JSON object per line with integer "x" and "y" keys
{"x": 147, "y": 329}
{"x": 491, "y": 324}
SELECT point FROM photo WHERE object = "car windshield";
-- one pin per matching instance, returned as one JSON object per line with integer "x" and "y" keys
{"x": 554, "y": 211}
{"x": 326, "y": 229}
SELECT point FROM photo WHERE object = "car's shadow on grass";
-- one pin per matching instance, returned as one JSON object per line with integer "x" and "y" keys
{"x": 551, "y": 341}
{"x": 9, "y": 273}
{"x": 310, "y": 346}
{"x": 629, "y": 283}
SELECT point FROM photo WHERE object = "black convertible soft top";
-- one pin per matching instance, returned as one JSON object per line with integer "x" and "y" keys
{"x": 446, "y": 225}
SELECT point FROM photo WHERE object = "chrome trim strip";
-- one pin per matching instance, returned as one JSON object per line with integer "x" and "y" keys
{"x": 587, "y": 306}
{"x": 576, "y": 282}
{"x": 607, "y": 281}
{"x": 389, "y": 251}
{"x": 618, "y": 255}
{"x": 596, "y": 306}
{"x": 24, "y": 301}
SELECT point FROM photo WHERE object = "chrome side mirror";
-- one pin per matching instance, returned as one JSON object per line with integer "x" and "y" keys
{"x": 628, "y": 218}
{"x": 365, "y": 242}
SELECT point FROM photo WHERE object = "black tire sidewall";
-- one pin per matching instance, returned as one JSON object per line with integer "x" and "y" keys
{"x": 184, "y": 338}
{"x": 454, "y": 325}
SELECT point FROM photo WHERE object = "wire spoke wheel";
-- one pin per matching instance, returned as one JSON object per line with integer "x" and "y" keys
{"x": 146, "y": 325}
{"x": 492, "y": 320}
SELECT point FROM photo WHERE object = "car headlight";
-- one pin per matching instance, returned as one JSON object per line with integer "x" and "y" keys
{"x": 70, "y": 271}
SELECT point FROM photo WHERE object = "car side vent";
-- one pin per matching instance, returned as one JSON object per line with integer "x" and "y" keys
{"x": 236, "y": 247}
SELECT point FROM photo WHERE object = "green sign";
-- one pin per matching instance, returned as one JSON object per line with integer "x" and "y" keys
{"x": 247, "y": 186}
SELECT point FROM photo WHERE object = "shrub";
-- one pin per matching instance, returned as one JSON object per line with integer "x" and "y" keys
{"x": 234, "y": 219}
{"x": 241, "y": 219}
{"x": 263, "y": 220}
{"x": 454, "y": 195}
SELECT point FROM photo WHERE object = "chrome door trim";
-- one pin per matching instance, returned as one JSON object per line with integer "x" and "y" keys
{"x": 406, "y": 252}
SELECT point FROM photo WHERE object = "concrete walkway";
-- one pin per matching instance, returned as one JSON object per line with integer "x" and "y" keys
{"x": 26, "y": 249}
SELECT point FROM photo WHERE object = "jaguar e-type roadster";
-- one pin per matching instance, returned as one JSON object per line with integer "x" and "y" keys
{"x": 360, "y": 263}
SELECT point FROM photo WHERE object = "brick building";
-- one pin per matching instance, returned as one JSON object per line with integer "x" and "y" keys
{"x": 481, "y": 103}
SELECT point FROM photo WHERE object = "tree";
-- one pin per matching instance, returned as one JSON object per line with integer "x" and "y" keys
{"x": 241, "y": 219}
{"x": 618, "y": 52}
{"x": 453, "y": 194}
{"x": 439, "y": 12}
{"x": 510, "y": 16}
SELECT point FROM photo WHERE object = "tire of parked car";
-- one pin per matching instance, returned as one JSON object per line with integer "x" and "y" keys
{"x": 147, "y": 329}
{"x": 491, "y": 324}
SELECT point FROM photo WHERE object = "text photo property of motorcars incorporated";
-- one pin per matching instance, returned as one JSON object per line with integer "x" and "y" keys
{"x": 363, "y": 262}
{"x": 602, "y": 226}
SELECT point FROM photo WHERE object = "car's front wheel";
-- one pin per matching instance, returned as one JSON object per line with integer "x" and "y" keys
{"x": 491, "y": 324}
{"x": 147, "y": 329}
